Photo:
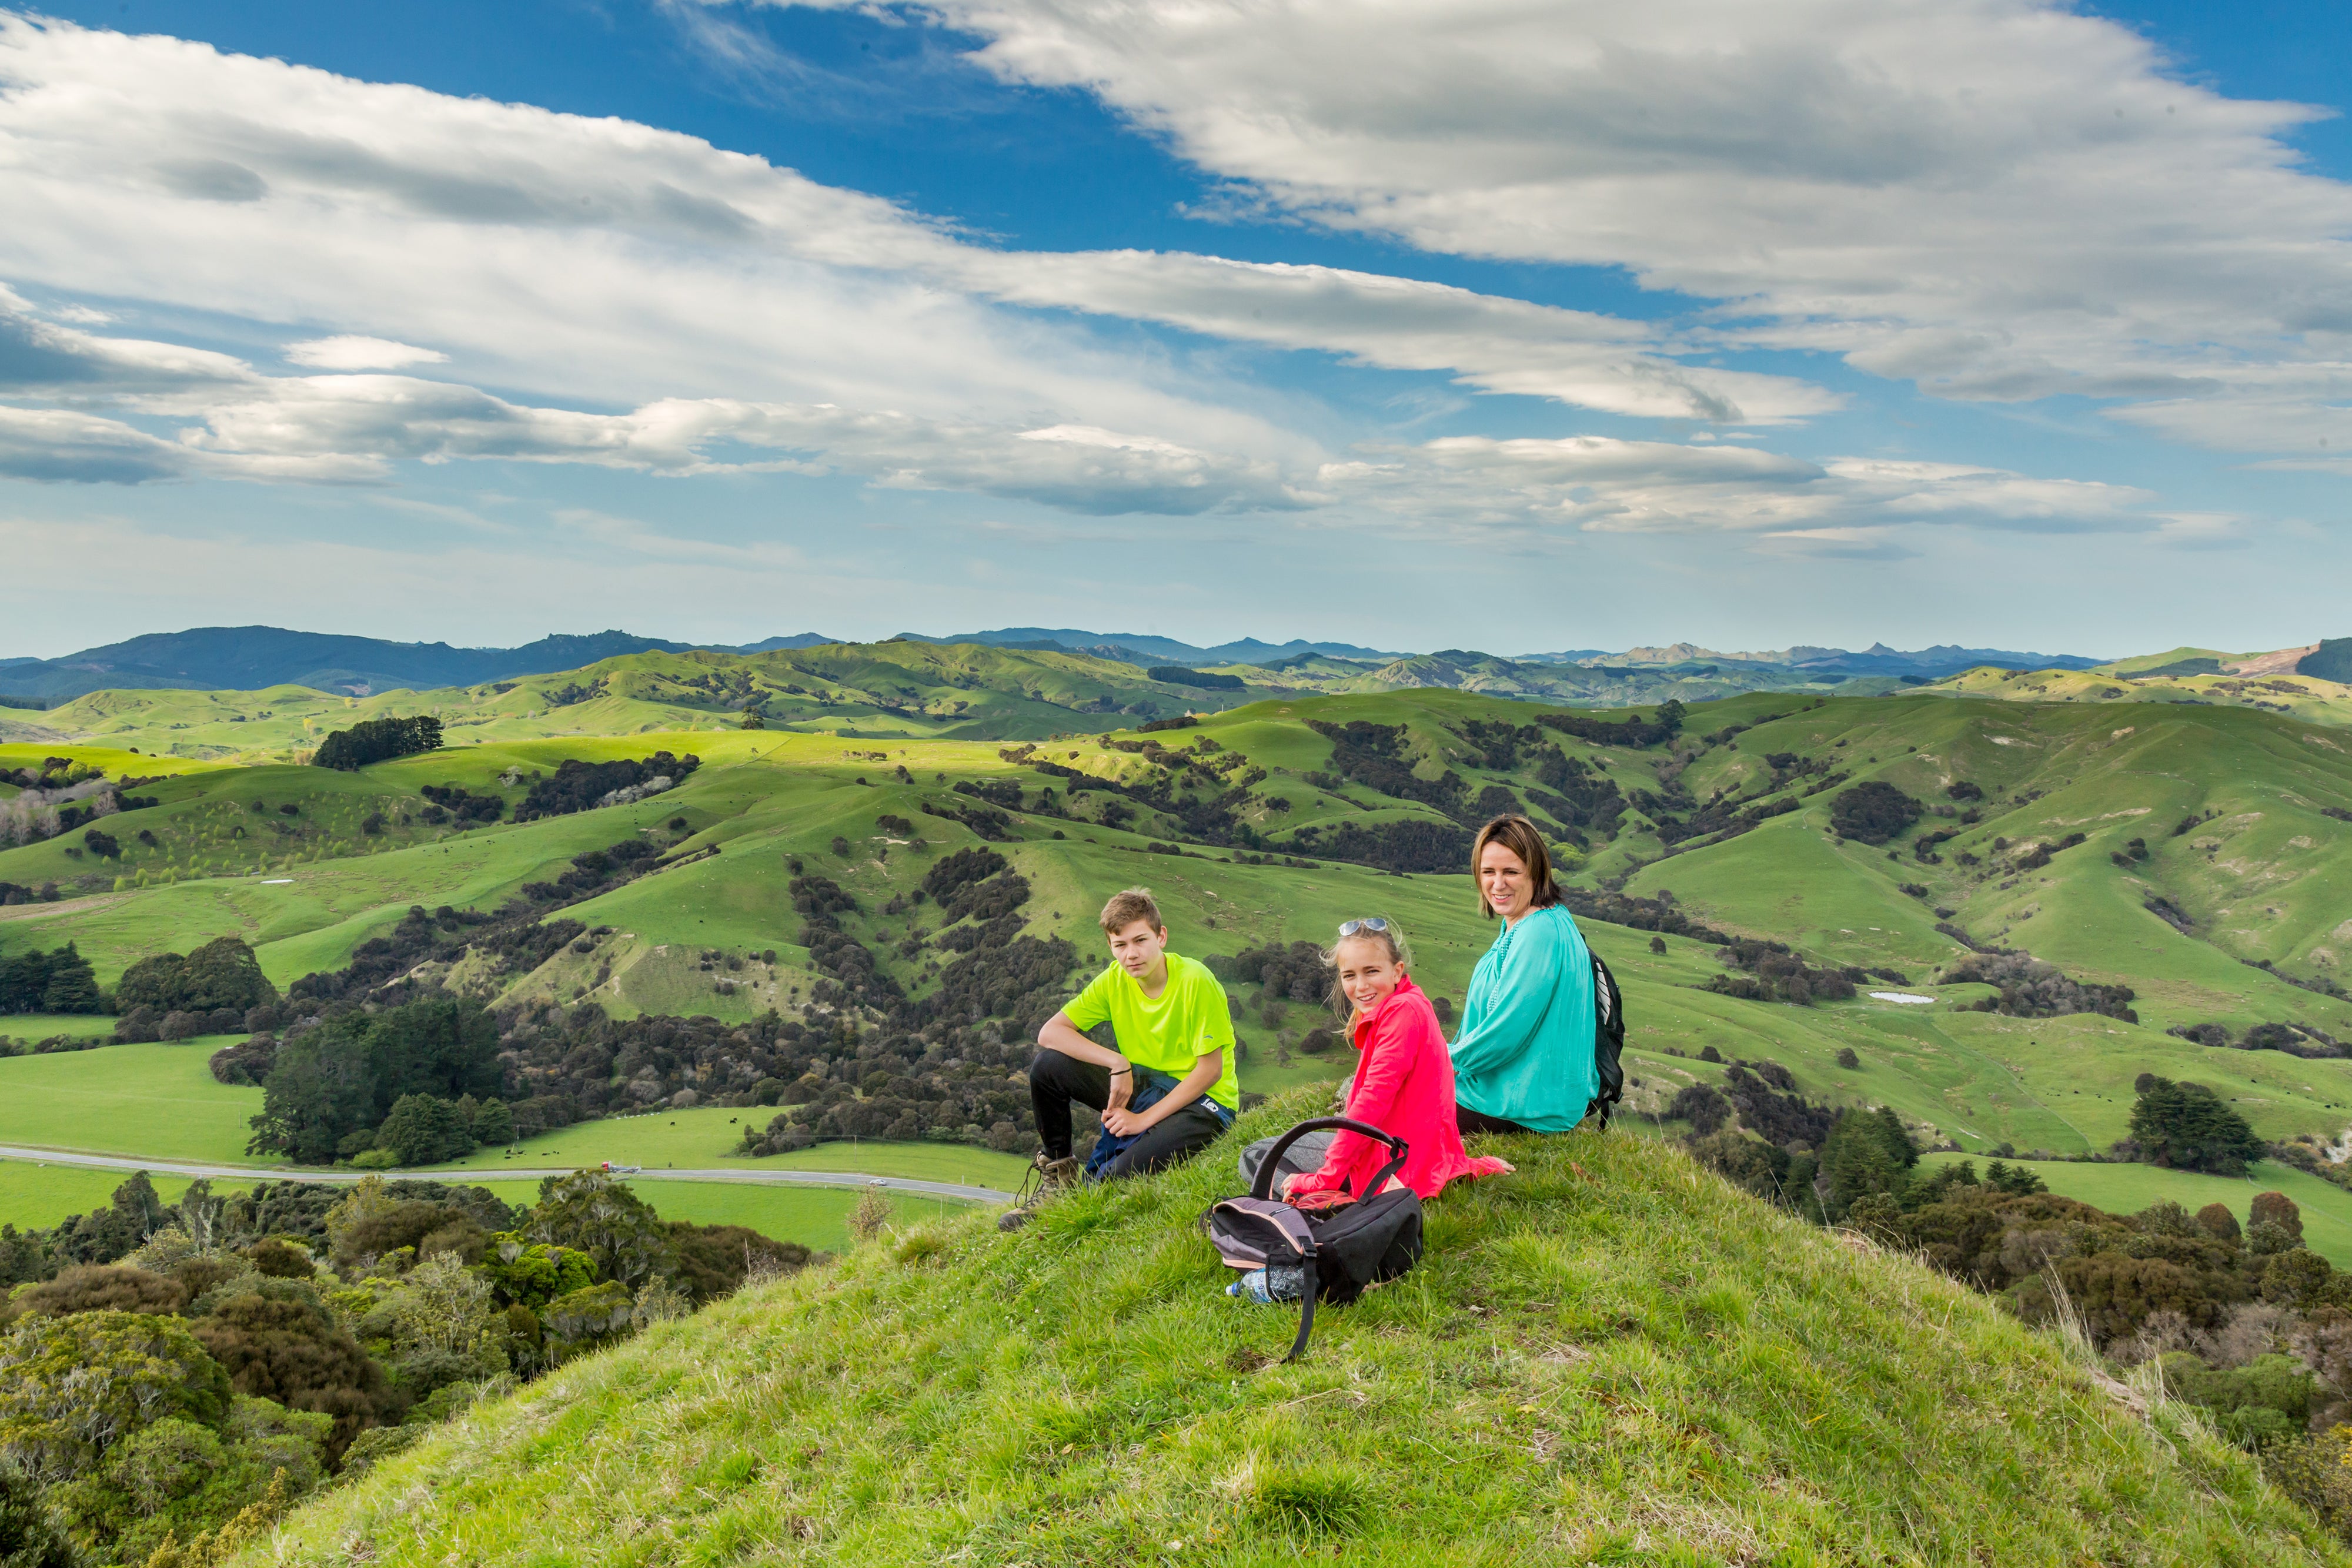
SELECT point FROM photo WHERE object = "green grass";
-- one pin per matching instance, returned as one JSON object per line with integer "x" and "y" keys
{"x": 154, "y": 1101}
{"x": 705, "y": 1137}
{"x": 1609, "y": 1356}
{"x": 34, "y": 1195}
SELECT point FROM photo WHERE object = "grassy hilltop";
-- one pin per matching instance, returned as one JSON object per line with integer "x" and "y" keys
{"x": 1609, "y": 1356}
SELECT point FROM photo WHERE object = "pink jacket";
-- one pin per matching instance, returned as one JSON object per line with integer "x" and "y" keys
{"x": 1404, "y": 1085}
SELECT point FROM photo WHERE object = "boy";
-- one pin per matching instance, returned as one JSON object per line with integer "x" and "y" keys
{"x": 1175, "y": 1033}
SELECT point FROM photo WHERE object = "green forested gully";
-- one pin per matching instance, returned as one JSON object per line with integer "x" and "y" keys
{"x": 822, "y": 940}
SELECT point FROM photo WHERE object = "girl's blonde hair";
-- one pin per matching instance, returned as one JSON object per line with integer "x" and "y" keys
{"x": 1399, "y": 954}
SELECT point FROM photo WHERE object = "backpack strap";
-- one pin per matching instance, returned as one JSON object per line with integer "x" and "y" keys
{"x": 1312, "y": 1288}
{"x": 1399, "y": 1149}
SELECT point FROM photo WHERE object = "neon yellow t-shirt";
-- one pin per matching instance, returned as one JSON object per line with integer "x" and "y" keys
{"x": 1188, "y": 1020}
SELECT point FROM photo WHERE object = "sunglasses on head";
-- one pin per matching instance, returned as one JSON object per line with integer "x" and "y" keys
{"x": 1373, "y": 923}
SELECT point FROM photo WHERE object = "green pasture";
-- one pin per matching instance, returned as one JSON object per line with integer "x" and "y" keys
{"x": 706, "y": 1137}
{"x": 34, "y": 1195}
{"x": 151, "y": 1102}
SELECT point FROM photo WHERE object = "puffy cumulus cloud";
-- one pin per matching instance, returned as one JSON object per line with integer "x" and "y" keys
{"x": 350, "y": 352}
{"x": 2000, "y": 199}
{"x": 616, "y": 260}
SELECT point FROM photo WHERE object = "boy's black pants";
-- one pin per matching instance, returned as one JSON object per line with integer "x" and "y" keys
{"x": 1057, "y": 1081}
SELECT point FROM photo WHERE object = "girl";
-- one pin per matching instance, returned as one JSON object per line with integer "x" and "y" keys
{"x": 1404, "y": 1080}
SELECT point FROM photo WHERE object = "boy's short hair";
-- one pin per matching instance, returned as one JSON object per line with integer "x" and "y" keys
{"x": 1127, "y": 906}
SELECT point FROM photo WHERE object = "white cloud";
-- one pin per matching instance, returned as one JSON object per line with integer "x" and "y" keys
{"x": 1998, "y": 199}
{"x": 617, "y": 260}
{"x": 656, "y": 305}
{"x": 349, "y": 352}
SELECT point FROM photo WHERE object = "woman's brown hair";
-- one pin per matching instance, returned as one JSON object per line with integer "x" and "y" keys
{"x": 1518, "y": 835}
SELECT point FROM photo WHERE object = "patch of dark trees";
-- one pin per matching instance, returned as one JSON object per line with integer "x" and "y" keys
{"x": 1873, "y": 812}
{"x": 216, "y": 989}
{"x": 2295, "y": 1039}
{"x": 446, "y": 801}
{"x": 577, "y": 786}
{"x": 21, "y": 892}
{"x": 1771, "y": 971}
{"x": 1417, "y": 845}
{"x": 1633, "y": 731}
{"x": 57, "y": 981}
{"x": 1182, "y": 721}
{"x": 1659, "y": 914}
{"x": 1209, "y": 680}
{"x": 594, "y": 871}
{"x": 1717, "y": 821}
{"x": 943, "y": 1066}
{"x": 2034, "y": 989}
{"x": 1373, "y": 754}
{"x": 345, "y": 1073}
{"x": 377, "y": 740}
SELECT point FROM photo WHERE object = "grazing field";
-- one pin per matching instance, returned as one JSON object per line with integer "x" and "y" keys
{"x": 152, "y": 1101}
{"x": 34, "y": 1195}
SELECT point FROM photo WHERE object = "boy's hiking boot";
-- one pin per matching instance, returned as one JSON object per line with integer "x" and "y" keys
{"x": 1046, "y": 1176}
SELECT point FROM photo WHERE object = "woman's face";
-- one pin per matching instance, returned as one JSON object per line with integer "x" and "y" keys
{"x": 1504, "y": 881}
{"x": 1366, "y": 973}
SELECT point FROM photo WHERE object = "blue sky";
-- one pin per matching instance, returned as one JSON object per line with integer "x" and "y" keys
{"x": 1516, "y": 328}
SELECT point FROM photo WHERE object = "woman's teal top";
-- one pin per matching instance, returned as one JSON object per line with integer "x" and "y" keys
{"x": 1525, "y": 1053}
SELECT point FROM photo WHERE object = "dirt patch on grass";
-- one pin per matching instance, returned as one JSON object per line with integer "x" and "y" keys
{"x": 62, "y": 906}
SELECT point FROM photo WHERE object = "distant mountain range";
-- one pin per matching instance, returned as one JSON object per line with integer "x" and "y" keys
{"x": 249, "y": 658}
{"x": 1878, "y": 659}
{"x": 1140, "y": 648}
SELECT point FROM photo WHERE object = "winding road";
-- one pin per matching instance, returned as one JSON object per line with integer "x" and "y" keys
{"x": 503, "y": 1172}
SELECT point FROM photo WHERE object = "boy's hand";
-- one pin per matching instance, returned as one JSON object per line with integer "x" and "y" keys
{"x": 1122, "y": 1090}
{"x": 1122, "y": 1122}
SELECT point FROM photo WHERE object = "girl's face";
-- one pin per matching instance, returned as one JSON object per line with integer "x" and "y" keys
{"x": 1504, "y": 881}
{"x": 1366, "y": 973}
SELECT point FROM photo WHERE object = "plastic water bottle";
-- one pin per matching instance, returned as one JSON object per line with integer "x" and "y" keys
{"x": 1268, "y": 1286}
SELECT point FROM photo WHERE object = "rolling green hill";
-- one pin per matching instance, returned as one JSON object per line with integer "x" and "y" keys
{"x": 2262, "y": 876}
{"x": 1607, "y": 1357}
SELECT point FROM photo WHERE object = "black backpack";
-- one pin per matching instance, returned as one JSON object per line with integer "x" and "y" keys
{"x": 1608, "y": 1040}
{"x": 1340, "y": 1250}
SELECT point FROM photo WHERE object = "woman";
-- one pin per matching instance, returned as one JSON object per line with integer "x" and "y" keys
{"x": 1522, "y": 1061}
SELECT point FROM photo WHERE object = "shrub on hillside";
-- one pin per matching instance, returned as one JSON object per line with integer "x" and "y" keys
{"x": 1632, "y": 731}
{"x": 1176, "y": 674}
{"x": 377, "y": 740}
{"x": 577, "y": 786}
{"x": 1873, "y": 812}
{"x": 2187, "y": 1126}
{"x": 223, "y": 973}
{"x": 2031, "y": 989}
